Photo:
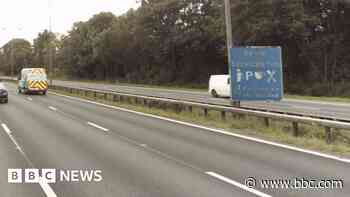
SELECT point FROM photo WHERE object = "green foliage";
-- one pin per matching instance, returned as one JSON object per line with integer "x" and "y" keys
{"x": 45, "y": 42}
{"x": 168, "y": 41}
{"x": 183, "y": 42}
{"x": 15, "y": 55}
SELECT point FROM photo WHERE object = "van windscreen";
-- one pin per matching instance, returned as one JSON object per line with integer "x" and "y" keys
{"x": 37, "y": 77}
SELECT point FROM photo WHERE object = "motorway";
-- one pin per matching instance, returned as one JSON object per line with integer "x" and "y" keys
{"x": 334, "y": 111}
{"x": 143, "y": 156}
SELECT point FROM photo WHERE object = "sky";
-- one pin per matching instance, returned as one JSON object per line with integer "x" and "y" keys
{"x": 26, "y": 18}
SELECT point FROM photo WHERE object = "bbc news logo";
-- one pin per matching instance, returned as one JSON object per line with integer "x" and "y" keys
{"x": 53, "y": 176}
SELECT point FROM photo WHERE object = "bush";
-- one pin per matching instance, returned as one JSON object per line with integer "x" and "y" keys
{"x": 297, "y": 88}
{"x": 320, "y": 89}
{"x": 342, "y": 90}
{"x": 323, "y": 89}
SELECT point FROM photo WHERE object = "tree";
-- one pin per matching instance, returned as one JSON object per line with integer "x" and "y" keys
{"x": 16, "y": 55}
{"x": 45, "y": 49}
{"x": 183, "y": 42}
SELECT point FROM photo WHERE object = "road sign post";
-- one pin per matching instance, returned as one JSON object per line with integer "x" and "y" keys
{"x": 256, "y": 74}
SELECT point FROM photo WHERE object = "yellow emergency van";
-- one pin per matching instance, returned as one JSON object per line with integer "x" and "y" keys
{"x": 33, "y": 80}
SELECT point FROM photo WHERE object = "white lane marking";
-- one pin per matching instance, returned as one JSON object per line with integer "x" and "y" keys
{"x": 29, "y": 98}
{"x": 314, "y": 153}
{"x": 53, "y": 108}
{"x": 44, "y": 186}
{"x": 237, "y": 184}
{"x": 47, "y": 188}
{"x": 97, "y": 126}
{"x": 4, "y": 126}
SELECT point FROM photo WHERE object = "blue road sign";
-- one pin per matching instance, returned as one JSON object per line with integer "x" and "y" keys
{"x": 256, "y": 73}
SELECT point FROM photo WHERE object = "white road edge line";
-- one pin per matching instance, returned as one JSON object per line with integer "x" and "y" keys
{"x": 29, "y": 98}
{"x": 237, "y": 184}
{"x": 44, "y": 186}
{"x": 53, "y": 108}
{"x": 310, "y": 152}
{"x": 97, "y": 126}
{"x": 8, "y": 131}
{"x": 47, "y": 188}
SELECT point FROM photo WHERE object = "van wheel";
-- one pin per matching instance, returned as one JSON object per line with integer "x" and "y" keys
{"x": 214, "y": 94}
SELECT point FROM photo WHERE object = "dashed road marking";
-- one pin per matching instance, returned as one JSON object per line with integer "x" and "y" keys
{"x": 53, "y": 108}
{"x": 97, "y": 126}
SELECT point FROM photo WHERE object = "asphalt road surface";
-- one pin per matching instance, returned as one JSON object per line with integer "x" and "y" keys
{"x": 142, "y": 156}
{"x": 336, "y": 111}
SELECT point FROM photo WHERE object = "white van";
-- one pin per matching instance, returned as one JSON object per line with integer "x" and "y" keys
{"x": 220, "y": 86}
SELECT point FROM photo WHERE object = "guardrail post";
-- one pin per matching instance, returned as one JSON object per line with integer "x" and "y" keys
{"x": 190, "y": 109}
{"x": 177, "y": 108}
{"x": 295, "y": 129}
{"x": 234, "y": 115}
{"x": 150, "y": 103}
{"x": 241, "y": 116}
{"x": 115, "y": 98}
{"x": 159, "y": 105}
{"x": 266, "y": 121}
{"x": 223, "y": 115}
{"x": 205, "y": 112}
{"x": 328, "y": 135}
{"x": 162, "y": 105}
{"x": 105, "y": 96}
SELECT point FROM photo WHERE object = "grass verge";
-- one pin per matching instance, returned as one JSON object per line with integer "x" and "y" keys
{"x": 310, "y": 137}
